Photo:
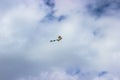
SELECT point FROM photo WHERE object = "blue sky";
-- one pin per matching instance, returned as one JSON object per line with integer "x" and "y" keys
{"x": 89, "y": 49}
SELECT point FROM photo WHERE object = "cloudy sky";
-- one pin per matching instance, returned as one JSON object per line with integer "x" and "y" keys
{"x": 89, "y": 50}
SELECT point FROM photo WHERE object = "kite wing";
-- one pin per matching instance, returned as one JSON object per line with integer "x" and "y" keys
{"x": 59, "y": 38}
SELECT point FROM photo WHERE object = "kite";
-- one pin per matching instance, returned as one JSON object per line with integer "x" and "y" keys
{"x": 58, "y": 39}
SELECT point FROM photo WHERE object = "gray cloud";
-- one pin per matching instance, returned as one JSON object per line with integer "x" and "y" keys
{"x": 50, "y": 3}
{"x": 104, "y": 7}
{"x": 87, "y": 48}
{"x": 61, "y": 74}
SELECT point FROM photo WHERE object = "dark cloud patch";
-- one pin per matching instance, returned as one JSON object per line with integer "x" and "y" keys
{"x": 51, "y": 17}
{"x": 98, "y": 10}
{"x": 50, "y": 3}
{"x": 73, "y": 71}
{"x": 98, "y": 33}
{"x": 100, "y": 7}
{"x": 60, "y": 18}
{"x": 102, "y": 73}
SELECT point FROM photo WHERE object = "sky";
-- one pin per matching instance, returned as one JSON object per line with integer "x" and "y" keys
{"x": 89, "y": 50}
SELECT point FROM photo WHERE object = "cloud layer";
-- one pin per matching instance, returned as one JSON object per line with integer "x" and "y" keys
{"x": 62, "y": 75}
{"x": 89, "y": 49}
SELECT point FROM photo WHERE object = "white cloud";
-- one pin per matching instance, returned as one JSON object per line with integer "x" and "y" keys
{"x": 107, "y": 77}
{"x": 18, "y": 23}
{"x": 22, "y": 31}
{"x": 63, "y": 75}
{"x": 54, "y": 75}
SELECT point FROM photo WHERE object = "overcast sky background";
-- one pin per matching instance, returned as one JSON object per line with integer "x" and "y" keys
{"x": 89, "y": 50}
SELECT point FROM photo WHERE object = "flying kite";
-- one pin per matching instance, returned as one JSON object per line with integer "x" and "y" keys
{"x": 58, "y": 39}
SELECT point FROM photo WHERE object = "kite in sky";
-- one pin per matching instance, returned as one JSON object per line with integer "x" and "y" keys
{"x": 58, "y": 39}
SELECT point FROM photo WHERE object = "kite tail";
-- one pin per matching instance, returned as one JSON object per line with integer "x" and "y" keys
{"x": 53, "y": 40}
